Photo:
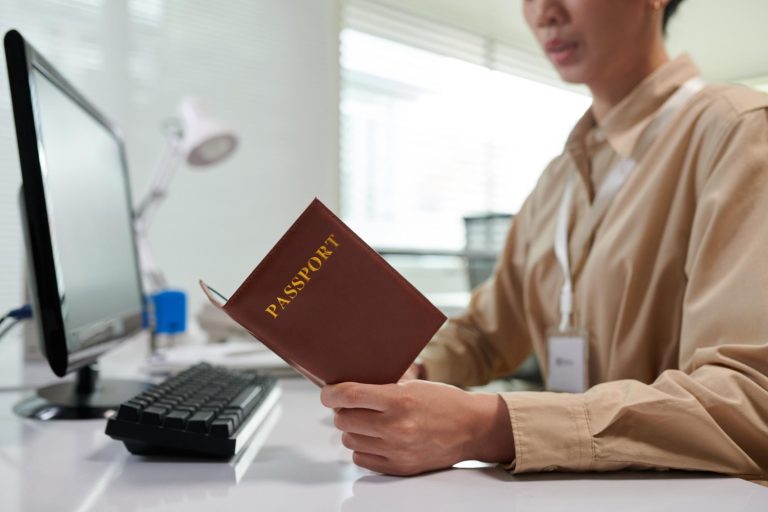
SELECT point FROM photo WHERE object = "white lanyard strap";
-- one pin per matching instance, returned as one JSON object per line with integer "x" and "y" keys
{"x": 610, "y": 188}
{"x": 561, "y": 252}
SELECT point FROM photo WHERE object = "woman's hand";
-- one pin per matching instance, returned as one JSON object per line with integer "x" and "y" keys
{"x": 416, "y": 426}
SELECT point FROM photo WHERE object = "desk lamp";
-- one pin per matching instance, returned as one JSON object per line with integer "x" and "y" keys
{"x": 200, "y": 141}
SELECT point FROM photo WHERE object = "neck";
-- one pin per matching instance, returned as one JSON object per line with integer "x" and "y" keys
{"x": 609, "y": 93}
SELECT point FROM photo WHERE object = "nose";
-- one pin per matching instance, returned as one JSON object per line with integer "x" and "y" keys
{"x": 548, "y": 13}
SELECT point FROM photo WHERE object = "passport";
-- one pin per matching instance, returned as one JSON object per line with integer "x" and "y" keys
{"x": 330, "y": 306}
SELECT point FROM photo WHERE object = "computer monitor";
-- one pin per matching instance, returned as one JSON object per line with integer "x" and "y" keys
{"x": 84, "y": 277}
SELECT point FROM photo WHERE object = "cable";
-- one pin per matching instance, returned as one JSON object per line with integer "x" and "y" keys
{"x": 8, "y": 327}
{"x": 16, "y": 315}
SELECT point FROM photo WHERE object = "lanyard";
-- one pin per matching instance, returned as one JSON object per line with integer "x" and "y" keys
{"x": 610, "y": 188}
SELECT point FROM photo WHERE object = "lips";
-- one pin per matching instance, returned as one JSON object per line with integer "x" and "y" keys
{"x": 560, "y": 51}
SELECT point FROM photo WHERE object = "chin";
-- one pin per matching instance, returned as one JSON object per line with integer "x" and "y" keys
{"x": 572, "y": 75}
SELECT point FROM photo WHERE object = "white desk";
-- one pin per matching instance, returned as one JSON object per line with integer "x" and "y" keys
{"x": 72, "y": 466}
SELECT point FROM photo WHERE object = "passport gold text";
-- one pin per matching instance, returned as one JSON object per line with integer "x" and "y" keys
{"x": 302, "y": 278}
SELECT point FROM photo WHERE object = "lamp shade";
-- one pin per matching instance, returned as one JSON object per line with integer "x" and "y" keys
{"x": 205, "y": 141}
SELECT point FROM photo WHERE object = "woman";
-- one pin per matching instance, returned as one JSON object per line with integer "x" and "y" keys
{"x": 643, "y": 251}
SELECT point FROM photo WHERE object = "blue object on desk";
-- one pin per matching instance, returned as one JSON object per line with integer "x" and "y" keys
{"x": 170, "y": 308}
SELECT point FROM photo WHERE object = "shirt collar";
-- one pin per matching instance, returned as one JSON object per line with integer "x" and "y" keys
{"x": 576, "y": 144}
{"x": 626, "y": 121}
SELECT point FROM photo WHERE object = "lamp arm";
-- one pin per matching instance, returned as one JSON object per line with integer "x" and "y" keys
{"x": 162, "y": 174}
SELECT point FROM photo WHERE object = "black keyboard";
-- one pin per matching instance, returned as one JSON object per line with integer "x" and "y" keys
{"x": 204, "y": 410}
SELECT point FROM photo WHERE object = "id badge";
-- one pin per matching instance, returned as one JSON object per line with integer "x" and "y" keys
{"x": 567, "y": 360}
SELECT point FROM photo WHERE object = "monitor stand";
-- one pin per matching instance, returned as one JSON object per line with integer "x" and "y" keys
{"x": 87, "y": 397}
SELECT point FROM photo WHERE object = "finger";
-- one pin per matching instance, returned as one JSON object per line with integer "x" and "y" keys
{"x": 385, "y": 465}
{"x": 365, "y": 444}
{"x": 351, "y": 395}
{"x": 358, "y": 421}
{"x": 371, "y": 461}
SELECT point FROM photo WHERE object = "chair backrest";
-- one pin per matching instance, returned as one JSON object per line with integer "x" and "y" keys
{"x": 485, "y": 236}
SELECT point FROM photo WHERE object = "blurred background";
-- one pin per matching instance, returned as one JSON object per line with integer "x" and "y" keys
{"x": 415, "y": 120}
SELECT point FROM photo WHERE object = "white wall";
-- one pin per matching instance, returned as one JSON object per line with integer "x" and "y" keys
{"x": 268, "y": 68}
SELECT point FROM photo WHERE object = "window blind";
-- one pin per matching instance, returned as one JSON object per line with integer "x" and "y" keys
{"x": 392, "y": 24}
{"x": 438, "y": 123}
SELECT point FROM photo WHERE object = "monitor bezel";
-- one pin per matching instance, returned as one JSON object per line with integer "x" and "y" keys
{"x": 64, "y": 355}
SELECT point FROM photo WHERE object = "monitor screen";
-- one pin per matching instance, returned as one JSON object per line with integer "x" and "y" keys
{"x": 77, "y": 214}
{"x": 89, "y": 218}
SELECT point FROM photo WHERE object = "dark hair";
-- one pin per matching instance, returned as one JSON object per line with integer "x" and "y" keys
{"x": 669, "y": 11}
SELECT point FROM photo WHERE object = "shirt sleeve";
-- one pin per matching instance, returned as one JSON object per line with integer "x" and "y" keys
{"x": 491, "y": 338}
{"x": 711, "y": 414}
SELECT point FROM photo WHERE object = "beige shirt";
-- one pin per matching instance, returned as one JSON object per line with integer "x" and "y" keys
{"x": 672, "y": 287}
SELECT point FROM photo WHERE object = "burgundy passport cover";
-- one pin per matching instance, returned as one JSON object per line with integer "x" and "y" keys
{"x": 331, "y": 307}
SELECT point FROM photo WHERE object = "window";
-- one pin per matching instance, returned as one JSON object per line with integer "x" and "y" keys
{"x": 436, "y": 124}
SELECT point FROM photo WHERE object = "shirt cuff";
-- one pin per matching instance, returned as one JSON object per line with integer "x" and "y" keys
{"x": 551, "y": 432}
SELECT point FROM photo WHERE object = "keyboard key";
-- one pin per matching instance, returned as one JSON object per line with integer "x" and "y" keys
{"x": 230, "y": 416}
{"x": 200, "y": 421}
{"x": 222, "y": 428}
{"x": 234, "y": 411}
{"x": 141, "y": 400}
{"x": 246, "y": 400}
{"x": 153, "y": 415}
{"x": 167, "y": 403}
{"x": 129, "y": 411}
{"x": 177, "y": 419}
